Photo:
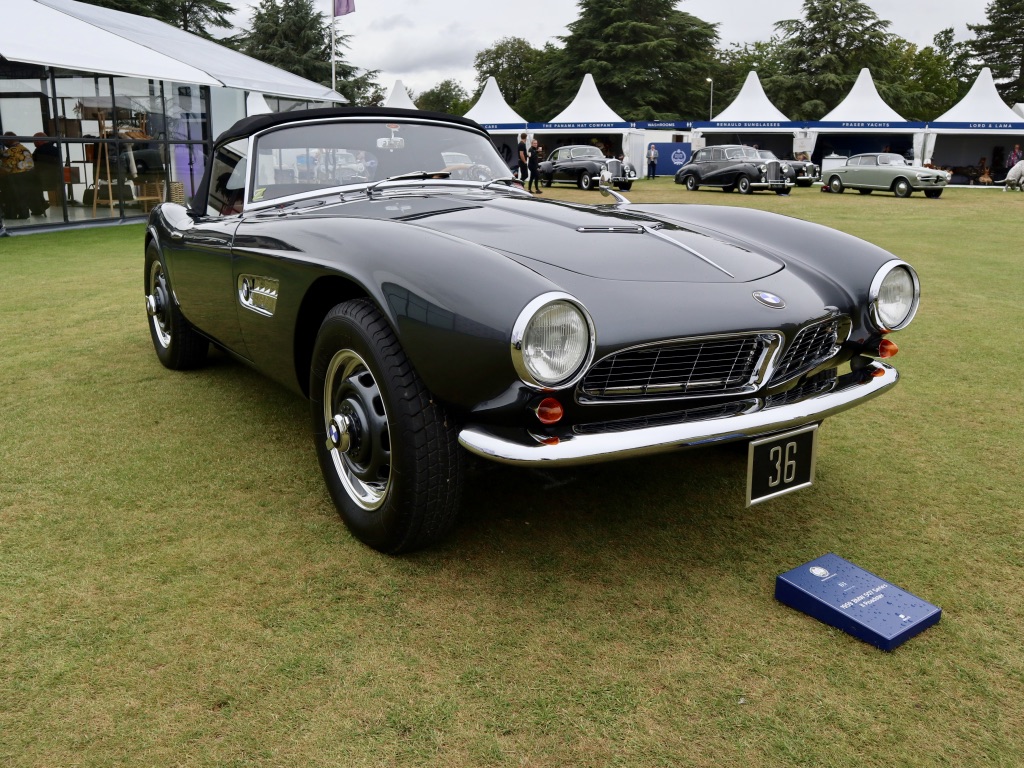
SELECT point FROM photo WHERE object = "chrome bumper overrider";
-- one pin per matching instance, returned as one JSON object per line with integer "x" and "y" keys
{"x": 520, "y": 447}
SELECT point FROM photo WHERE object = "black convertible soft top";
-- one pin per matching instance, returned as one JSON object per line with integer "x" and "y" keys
{"x": 250, "y": 125}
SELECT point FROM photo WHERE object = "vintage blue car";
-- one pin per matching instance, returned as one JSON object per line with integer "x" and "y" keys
{"x": 429, "y": 318}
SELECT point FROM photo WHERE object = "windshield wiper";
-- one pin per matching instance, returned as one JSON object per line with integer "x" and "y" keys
{"x": 410, "y": 176}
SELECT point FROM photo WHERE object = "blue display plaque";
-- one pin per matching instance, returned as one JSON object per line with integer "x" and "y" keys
{"x": 838, "y": 593}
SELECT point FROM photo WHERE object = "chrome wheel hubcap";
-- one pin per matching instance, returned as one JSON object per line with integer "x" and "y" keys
{"x": 358, "y": 435}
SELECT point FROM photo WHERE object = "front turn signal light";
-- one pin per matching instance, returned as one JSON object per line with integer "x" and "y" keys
{"x": 887, "y": 348}
{"x": 549, "y": 411}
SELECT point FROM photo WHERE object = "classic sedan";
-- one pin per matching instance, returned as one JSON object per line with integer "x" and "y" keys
{"x": 734, "y": 166}
{"x": 585, "y": 166}
{"x": 428, "y": 319}
{"x": 803, "y": 173}
{"x": 886, "y": 172}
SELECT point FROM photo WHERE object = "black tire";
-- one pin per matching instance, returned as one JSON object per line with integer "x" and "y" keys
{"x": 625, "y": 186}
{"x": 178, "y": 346}
{"x": 743, "y": 185}
{"x": 398, "y": 481}
{"x": 836, "y": 185}
{"x": 933, "y": 193}
{"x": 585, "y": 181}
{"x": 691, "y": 183}
{"x": 901, "y": 188}
{"x": 865, "y": 191}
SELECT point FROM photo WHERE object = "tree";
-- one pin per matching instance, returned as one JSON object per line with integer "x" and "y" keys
{"x": 512, "y": 62}
{"x": 1000, "y": 46}
{"x": 648, "y": 59}
{"x": 195, "y": 16}
{"x": 826, "y": 50}
{"x": 294, "y": 36}
{"x": 447, "y": 96}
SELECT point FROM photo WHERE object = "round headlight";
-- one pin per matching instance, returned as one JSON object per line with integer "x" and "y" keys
{"x": 552, "y": 341}
{"x": 894, "y": 296}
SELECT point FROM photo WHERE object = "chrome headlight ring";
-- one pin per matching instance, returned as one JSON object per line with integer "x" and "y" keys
{"x": 520, "y": 342}
{"x": 875, "y": 295}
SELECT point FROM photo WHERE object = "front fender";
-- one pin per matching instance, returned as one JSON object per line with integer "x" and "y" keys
{"x": 451, "y": 303}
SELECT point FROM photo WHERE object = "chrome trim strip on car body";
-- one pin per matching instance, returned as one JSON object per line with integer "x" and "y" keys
{"x": 653, "y": 230}
{"x": 850, "y": 390}
{"x": 258, "y": 294}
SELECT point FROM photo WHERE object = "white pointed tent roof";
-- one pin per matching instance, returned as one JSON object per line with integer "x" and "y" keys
{"x": 491, "y": 107}
{"x": 751, "y": 105}
{"x": 863, "y": 104}
{"x": 588, "y": 106}
{"x": 88, "y": 38}
{"x": 399, "y": 97}
{"x": 982, "y": 104}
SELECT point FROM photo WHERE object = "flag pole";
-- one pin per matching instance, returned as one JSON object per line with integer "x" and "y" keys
{"x": 334, "y": 68}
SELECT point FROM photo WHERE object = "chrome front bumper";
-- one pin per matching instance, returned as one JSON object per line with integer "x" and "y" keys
{"x": 523, "y": 448}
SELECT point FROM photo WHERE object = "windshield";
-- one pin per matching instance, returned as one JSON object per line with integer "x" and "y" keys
{"x": 302, "y": 158}
{"x": 766, "y": 154}
{"x": 586, "y": 152}
{"x": 891, "y": 160}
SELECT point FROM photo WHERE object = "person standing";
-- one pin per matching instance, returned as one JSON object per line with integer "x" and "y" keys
{"x": 652, "y": 161}
{"x": 524, "y": 161}
{"x": 534, "y": 167}
{"x": 1015, "y": 157}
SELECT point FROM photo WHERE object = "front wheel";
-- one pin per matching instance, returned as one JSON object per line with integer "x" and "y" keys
{"x": 933, "y": 193}
{"x": 743, "y": 185}
{"x": 835, "y": 184}
{"x": 585, "y": 181}
{"x": 178, "y": 346}
{"x": 388, "y": 453}
{"x": 902, "y": 188}
{"x": 625, "y": 186}
{"x": 691, "y": 183}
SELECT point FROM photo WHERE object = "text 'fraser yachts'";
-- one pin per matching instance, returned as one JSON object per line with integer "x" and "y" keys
{"x": 383, "y": 264}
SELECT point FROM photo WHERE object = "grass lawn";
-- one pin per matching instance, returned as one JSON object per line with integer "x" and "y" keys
{"x": 177, "y": 589}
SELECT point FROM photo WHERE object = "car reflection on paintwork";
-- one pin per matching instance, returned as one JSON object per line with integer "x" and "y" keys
{"x": 886, "y": 172}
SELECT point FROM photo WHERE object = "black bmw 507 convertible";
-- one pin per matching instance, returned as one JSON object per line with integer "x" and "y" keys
{"x": 431, "y": 309}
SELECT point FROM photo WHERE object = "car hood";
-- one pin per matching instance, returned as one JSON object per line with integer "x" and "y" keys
{"x": 608, "y": 244}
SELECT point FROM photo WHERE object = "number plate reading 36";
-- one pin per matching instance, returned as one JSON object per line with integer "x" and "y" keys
{"x": 780, "y": 464}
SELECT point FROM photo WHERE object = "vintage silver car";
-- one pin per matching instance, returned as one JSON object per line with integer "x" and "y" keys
{"x": 886, "y": 172}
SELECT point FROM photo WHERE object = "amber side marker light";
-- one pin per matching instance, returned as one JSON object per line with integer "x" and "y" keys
{"x": 549, "y": 411}
{"x": 887, "y": 348}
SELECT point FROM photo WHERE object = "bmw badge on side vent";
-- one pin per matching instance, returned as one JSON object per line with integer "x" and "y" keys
{"x": 770, "y": 299}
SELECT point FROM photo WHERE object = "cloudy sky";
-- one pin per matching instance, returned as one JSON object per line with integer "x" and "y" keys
{"x": 422, "y": 42}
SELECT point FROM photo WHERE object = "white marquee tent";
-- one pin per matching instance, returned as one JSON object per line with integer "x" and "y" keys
{"x": 751, "y": 118}
{"x": 979, "y": 125}
{"x": 589, "y": 116}
{"x": 502, "y": 122}
{"x": 399, "y": 97}
{"x": 77, "y": 36}
{"x": 863, "y": 122}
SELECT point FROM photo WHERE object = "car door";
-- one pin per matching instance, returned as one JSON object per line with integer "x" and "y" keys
{"x": 199, "y": 258}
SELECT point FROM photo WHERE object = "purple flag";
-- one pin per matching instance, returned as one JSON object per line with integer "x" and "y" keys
{"x": 341, "y": 7}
